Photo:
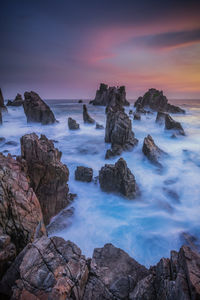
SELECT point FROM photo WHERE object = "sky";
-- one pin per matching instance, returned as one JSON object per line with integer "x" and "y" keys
{"x": 65, "y": 49}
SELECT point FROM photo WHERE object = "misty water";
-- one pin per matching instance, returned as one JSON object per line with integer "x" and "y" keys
{"x": 169, "y": 204}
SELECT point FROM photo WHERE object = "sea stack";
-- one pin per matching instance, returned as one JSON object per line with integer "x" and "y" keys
{"x": 86, "y": 116}
{"x": 18, "y": 101}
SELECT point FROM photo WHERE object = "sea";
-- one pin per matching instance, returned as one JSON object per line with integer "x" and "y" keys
{"x": 168, "y": 206}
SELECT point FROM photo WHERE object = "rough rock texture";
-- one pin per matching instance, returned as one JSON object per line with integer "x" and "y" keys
{"x": 20, "y": 212}
{"x": 86, "y": 116}
{"x": 156, "y": 101}
{"x": 7, "y": 253}
{"x": 84, "y": 174}
{"x": 37, "y": 110}
{"x": 119, "y": 131}
{"x": 152, "y": 151}
{"x": 72, "y": 124}
{"x": 171, "y": 124}
{"x": 2, "y": 105}
{"x": 118, "y": 178}
{"x": 18, "y": 101}
{"x": 47, "y": 173}
{"x": 107, "y": 96}
{"x": 99, "y": 126}
{"x": 160, "y": 118}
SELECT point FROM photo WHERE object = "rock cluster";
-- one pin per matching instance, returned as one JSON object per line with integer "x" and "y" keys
{"x": 152, "y": 151}
{"x": 18, "y": 101}
{"x": 118, "y": 178}
{"x": 72, "y": 124}
{"x": 48, "y": 175}
{"x": 156, "y": 101}
{"x": 83, "y": 174}
{"x": 107, "y": 96}
{"x": 86, "y": 116}
{"x": 37, "y": 110}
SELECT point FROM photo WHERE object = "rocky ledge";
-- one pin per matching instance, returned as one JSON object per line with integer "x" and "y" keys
{"x": 18, "y": 101}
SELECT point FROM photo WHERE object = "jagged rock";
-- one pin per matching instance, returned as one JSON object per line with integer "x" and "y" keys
{"x": 152, "y": 151}
{"x": 118, "y": 178}
{"x": 99, "y": 126}
{"x": 160, "y": 118}
{"x": 95, "y": 289}
{"x": 86, "y": 116}
{"x": 50, "y": 268}
{"x": 107, "y": 96}
{"x": 171, "y": 124}
{"x": 7, "y": 253}
{"x": 48, "y": 175}
{"x": 2, "y": 105}
{"x": 37, "y": 110}
{"x": 73, "y": 125}
{"x": 83, "y": 174}
{"x": 137, "y": 116}
{"x": 156, "y": 101}
{"x": 20, "y": 212}
{"x": 17, "y": 102}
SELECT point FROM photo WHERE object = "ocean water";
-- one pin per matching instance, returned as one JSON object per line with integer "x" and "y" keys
{"x": 147, "y": 227}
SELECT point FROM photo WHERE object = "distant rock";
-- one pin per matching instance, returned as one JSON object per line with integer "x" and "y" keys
{"x": 37, "y": 110}
{"x": 107, "y": 96}
{"x": 17, "y": 102}
{"x": 83, "y": 174}
{"x": 171, "y": 124}
{"x": 137, "y": 116}
{"x": 48, "y": 175}
{"x": 156, "y": 101}
{"x": 86, "y": 116}
{"x": 118, "y": 178}
{"x": 160, "y": 118}
{"x": 152, "y": 151}
{"x": 2, "y": 105}
{"x": 72, "y": 124}
{"x": 80, "y": 101}
{"x": 99, "y": 126}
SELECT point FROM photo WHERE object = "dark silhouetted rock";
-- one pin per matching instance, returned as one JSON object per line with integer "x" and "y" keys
{"x": 84, "y": 174}
{"x": 17, "y": 102}
{"x": 171, "y": 124}
{"x": 86, "y": 116}
{"x": 80, "y": 101}
{"x": 1, "y": 121}
{"x": 108, "y": 96}
{"x": 37, "y": 110}
{"x": 137, "y": 116}
{"x": 2, "y": 105}
{"x": 160, "y": 118}
{"x": 118, "y": 178}
{"x": 152, "y": 151}
{"x": 47, "y": 173}
{"x": 99, "y": 126}
{"x": 156, "y": 101}
{"x": 72, "y": 124}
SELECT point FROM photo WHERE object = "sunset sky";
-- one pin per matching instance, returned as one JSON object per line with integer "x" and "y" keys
{"x": 64, "y": 49}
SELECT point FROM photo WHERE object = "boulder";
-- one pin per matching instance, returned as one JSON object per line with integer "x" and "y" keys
{"x": 171, "y": 124}
{"x": 83, "y": 174}
{"x": 137, "y": 116}
{"x": 48, "y": 175}
{"x": 118, "y": 178}
{"x": 72, "y": 124}
{"x": 2, "y": 105}
{"x": 37, "y": 110}
{"x": 107, "y": 96}
{"x": 86, "y": 116}
{"x": 152, "y": 151}
{"x": 160, "y": 118}
{"x": 99, "y": 126}
{"x": 18, "y": 101}
{"x": 156, "y": 101}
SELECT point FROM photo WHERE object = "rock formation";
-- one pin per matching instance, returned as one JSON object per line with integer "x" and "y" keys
{"x": 86, "y": 116}
{"x": 2, "y": 105}
{"x": 118, "y": 178}
{"x": 160, "y": 118}
{"x": 7, "y": 253}
{"x": 99, "y": 126}
{"x": 84, "y": 174}
{"x": 72, "y": 124}
{"x": 107, "y": 96}
{"x": 156, "y": 101}
{"x": 152, "y": 151}
{"x": 171, "y": 124}
{"x": 37, "y": 110}
{"x": 47, "y": 173}
{"x": 17, "y": 102}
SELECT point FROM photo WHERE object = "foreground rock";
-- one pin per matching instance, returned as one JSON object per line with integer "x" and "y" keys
{"x": 83, "y": 174}
{"x": 152, "y": 151}
{"x": 37, "y": 110}
{"x": 86, "y": 116}
{"x": 156, "y": 101}
{"x": 107, "y": 96}
{"x": 18, "y": 101}
{"x": 2, "y": 105}
{"x": 171, "y": 124}
{"x": 7, "y": 253}
{"x": 118, "y": 178}
{"x": 72, "y": 124}
{"x": 48, "y": 175}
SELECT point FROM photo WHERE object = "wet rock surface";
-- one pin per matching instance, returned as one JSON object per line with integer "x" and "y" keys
{"x": 37, "y": 110}
{"x": 72, "y": 124}
{"x": 86, "y": 116}
{"x": 118, "y": 178}
{"x": 171, "y": 124}
{"x": 83, "y": 174}
{"x": 152, "y": 151}
{"x": 18, "y": 101}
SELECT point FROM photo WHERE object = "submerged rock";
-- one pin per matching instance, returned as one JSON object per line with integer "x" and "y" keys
{"x": 152, "y": 151}
{"x": 118, "y": 178}
{"x": 99, "y": 126}
{"x": 108, "y": 96}
{"x": 18, "y": 101}
{"x": 171, "y": 124}
{"x": 83, "y": 174}
{"x": 72, "y": 124}
{"x": 37, "y": 110}
{"x": 47, "y": 173}
{"x": 86, "y": 116}
{"x": 156, "y": 101}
